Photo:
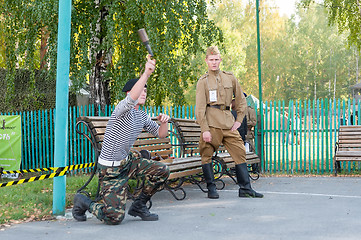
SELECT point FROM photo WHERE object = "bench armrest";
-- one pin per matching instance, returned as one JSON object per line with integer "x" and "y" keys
{"x": 85, "y": 132}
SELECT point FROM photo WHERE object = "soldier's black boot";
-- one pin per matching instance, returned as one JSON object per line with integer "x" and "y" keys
{"x": 209, "y": 177}
{"x": 245, "y": 189}
{"x": 81, "y": 205}
{"x": 139, "y": 208}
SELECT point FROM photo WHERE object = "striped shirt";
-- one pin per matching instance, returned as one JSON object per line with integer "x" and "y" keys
{"x": 123, "y": 128}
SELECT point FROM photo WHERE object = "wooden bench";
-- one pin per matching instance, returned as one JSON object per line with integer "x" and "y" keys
{"x": 159, "y": 148}
{"x": 348, "y": 147}
{"x": 183, "y": 169}
{"x": 93, "y": 129}
{"x": 188, "y": 133}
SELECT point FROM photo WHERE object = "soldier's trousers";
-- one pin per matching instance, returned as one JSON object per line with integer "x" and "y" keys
{"x": 231, "y": 140}
{"x": 114, "y": 181}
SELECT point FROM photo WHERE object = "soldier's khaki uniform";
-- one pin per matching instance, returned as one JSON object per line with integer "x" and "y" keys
{"x": 219, "y": 119}
{"x": 251, "y": 123}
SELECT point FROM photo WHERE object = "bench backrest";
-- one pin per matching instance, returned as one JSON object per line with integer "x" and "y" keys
{"x": 188, "y": 133}
{"x": 349, "y": 138}
{"x": 159, "y": 148}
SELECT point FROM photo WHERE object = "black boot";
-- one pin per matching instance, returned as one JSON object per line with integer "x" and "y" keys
{"x": 139, "y": 208}
{"x": 209, "y": 177}
{"x": 245, "y": 189}
{"x": 81, "y": 204}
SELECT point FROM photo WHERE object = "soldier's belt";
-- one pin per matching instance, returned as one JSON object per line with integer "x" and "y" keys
{"x": 220, "y": 107}
{"x": 112, "y": 163}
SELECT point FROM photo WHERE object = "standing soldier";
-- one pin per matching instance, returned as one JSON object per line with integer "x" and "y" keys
{"x": 214, "y": 94}
{"x": 117, "y": 165}
{"x": 251, "y": 123}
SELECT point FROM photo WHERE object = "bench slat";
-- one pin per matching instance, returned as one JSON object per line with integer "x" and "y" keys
{"x": 349, "y": 138}
{"x": 191, "y": 151}
{"x": 98, "y": 131}
{"x": 353, "y": 128}
{"x": 92, "y": 118}
{"x": 184, "y": 166}
{"x": 187, "y": 173}
{"x": 349, "y": 148}
{"x": 152, "y": 147}
{"x": 348, "y": 158}
{"x": 152, "y": 141}
{"x": 190, "y": 129}
{"x": 349, "y": 134}
{"x": 99, "y": 124}
{"x": 348, "y": 153}
{"x": 193, "y": 140}
{"x": 185, "y": 160}
{"x": 349, "y": 126}
{"x": 358, "y": 144}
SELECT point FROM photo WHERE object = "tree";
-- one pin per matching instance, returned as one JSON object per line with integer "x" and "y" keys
{"x": 346, "y": 14}
{"x": 302, "y": 57}
{"x": 105, "y": 48}
{"x": 320, "y": 59}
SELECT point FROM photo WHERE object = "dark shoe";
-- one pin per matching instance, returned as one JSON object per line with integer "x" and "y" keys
{"x": 139, "y": 208}
{"x": 245, "y": 189}
{"x": 249, "y": 193}
{"x": 81, "y": 205}
{"x": 209, "y": 177}
{"x": 145, "y": 154}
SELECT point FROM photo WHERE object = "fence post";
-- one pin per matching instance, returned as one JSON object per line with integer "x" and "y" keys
{"x": 62, "y": 101}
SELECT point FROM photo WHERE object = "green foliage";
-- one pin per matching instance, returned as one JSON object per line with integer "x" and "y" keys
{"x": 346, "y": 14}
{"x": 302, "y": 57}
{"x": 32, "y": 90}
{"x": 315, "y": 61}
{"x": 177, "y": 30}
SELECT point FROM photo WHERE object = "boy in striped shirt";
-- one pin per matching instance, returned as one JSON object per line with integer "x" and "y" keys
{"x": 116, "y": 165}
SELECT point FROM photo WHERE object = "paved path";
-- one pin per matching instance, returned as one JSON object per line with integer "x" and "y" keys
{"x": 293, "y": 208}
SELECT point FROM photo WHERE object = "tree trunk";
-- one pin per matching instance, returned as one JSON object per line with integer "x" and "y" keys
{"x": 334, "y": 86}
{"x": 43, "y": 47}
{"x": 99, "y": 87}
{"x": 357, "y": 71}
{"x": 359, "y": 6}
{"x": 315, "y": 83}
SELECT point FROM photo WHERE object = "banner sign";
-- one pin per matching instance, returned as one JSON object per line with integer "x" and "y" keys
{"x": 10, "y": 142}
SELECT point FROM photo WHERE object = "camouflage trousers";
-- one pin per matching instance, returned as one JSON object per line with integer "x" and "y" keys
{"x": 114, "y": 181}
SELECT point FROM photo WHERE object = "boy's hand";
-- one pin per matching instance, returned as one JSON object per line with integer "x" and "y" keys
{"x": 207, "y": 136}
{"x": 149, "y": 66}
{"x": 235, "y": 126}
{"x": 163, "y": 118}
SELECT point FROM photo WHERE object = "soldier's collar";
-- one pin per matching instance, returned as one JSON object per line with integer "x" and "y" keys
{"x": 214, "y": 73}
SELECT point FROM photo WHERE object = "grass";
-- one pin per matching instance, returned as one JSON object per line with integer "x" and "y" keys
{"x": 34, "y": 201}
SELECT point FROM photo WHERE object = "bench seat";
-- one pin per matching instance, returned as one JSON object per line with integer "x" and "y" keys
{"x": 188, "y": 133}
{"x": 348, "y": 147}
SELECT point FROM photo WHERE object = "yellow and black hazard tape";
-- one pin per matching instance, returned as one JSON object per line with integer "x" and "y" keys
{"x": 32, "y": 179}
{"x": 58, "y": 171}
{"x": 29, "y": 170}
{"x": 55, "y": 169}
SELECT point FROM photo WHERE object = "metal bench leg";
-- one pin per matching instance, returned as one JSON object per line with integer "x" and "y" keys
{"x": 337, "y": 167}
{"x": 176, "y": 188}
{"x": 253, "y": 171}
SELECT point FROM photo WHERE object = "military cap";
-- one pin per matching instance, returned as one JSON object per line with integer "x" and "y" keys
{"x": 129, "y": 85}
{"x": 213, "y": 50}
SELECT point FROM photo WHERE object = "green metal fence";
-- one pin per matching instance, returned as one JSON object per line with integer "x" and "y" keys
{"x": 38, "y": 134}
{"x": 298, "y": 136}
